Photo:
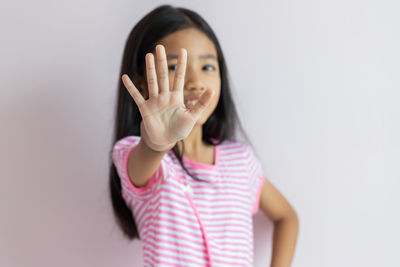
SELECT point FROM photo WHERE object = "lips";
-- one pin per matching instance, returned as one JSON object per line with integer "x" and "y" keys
{"x": 191, "y": 100}
{"x": 192, "y": 97}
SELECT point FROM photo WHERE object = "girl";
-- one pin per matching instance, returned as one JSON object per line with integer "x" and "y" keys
{"x": 180, "y": 181}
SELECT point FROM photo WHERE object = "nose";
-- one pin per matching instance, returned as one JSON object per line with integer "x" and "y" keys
{"x": 193, "y": 81}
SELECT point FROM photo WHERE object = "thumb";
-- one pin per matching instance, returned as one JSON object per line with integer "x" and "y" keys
{"x": 203, "y": 103}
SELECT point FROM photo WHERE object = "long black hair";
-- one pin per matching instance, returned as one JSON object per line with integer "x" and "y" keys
{"x": 222, "y": 124}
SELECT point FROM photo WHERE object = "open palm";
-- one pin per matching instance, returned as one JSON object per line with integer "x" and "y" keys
{"x": 166, "y": 119}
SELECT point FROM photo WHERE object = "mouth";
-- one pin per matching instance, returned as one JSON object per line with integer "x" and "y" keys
{"x": 190, "y": 103}
{"x": 191, "y": 100}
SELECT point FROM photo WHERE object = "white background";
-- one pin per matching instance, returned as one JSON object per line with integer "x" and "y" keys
{"x": 317, "y": 87}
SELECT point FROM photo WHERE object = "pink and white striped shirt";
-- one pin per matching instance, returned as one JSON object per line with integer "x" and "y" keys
{"x": 184, "y": 222}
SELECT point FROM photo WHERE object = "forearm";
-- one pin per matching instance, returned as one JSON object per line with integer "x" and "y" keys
{"x": 284, "y": 241}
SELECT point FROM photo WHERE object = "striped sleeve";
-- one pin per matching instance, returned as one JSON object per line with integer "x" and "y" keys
{"x": 120, "y": 154}
{"x": 256, "y": 178}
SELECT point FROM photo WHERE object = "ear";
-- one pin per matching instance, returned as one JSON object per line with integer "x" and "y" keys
{"x": 141, "y": 85}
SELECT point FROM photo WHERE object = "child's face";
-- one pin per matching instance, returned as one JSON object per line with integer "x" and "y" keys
{"x": 202, "y": 69}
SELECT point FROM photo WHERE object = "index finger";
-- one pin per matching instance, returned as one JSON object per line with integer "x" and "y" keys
{"x": 133, "y": 91}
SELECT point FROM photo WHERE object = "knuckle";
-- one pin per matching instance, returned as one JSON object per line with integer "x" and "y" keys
{"x": 150, "y": 68}
{"x": 151, "y": 80}
{"x": 163, "y": 76}
{"x": 160, "y": 58}
{"x": 180, "y": 75}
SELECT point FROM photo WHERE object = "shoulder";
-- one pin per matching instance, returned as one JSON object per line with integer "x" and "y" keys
{"x": 239, "y": 150}
{"x": 126, "y": 141}
{"x": 234, "y": 148}
{"x": 123, "y": 146}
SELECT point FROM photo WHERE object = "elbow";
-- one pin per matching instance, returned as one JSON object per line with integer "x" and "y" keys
{"x": 289, "y": 216}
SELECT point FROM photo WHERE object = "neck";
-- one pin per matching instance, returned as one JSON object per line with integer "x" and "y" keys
{"x": 193, "y": 142}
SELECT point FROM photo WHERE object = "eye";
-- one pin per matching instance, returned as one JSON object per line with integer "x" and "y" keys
{"x": 172, "y": 67}
{"x": 209, "y": 67}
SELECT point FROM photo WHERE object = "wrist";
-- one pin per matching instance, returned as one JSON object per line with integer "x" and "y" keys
{"x": 150, "y": 145}
{"x": 156, "y": 148}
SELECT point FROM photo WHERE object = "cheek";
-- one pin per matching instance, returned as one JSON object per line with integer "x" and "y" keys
{"x": 217, "y": 89}
{"x": 210, "y": 109}
{"x": 215, "y": 85}
{"x": 215, "y": 99}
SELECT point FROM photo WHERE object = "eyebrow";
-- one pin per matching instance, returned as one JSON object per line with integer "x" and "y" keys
{"x": 205, "y": 56}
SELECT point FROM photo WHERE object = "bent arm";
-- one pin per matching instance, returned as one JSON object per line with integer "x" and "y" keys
{"x": 286, "y": 224}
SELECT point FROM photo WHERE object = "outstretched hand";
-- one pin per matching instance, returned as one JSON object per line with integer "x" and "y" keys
{"x": 165, "y": 117}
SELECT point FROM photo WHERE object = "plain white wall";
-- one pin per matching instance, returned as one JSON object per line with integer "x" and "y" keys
{"x": 317, "y": 87}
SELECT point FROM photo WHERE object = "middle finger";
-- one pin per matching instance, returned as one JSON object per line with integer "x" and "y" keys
{"x": 162, "y": 69}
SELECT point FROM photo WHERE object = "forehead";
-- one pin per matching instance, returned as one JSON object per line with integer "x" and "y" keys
{"x": 193, "y": 40}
